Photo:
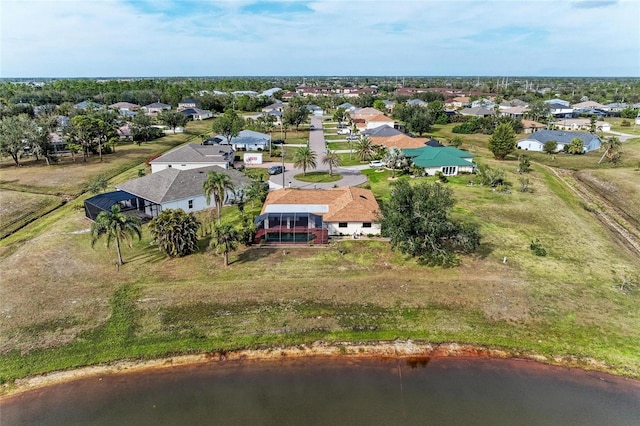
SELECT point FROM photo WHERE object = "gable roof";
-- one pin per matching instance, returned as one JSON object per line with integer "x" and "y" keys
{"x": 127, "y": 105}
{"x": 345, "y": 204}
{"x": 172, "y": 184}
{"x": 194, "y": 153}
{"x": 187, "y": 101}
{"x": 429, "y": 156}
{"x": 365, "y": 112}
{"x": 195, "y": 111}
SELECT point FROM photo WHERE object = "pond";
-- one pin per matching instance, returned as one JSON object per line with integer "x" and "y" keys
{"x": 336, "y": 391}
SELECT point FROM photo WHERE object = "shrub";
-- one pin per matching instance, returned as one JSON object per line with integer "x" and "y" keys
{"x": 537, "y": 248}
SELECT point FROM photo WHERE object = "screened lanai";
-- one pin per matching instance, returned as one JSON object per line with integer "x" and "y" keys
{"x": 290, "y": 228}
{"x": 128, "y": 203}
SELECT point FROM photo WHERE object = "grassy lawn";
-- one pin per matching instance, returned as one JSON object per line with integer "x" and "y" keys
{"x": 318, "y": 177}
{"x": 616, "y": 126}
{"x": 64, "y": 304}
{"x": 19, "y": 208}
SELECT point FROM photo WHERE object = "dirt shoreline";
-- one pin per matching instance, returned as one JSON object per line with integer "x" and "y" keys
{"x": 383, "y": 349}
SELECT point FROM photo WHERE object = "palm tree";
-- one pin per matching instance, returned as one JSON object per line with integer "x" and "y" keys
{"x": 332, "y": 159}
{"x": 224, "y": 239}
{"x": 217, "y": 185}
{"x": 395, "y": 159}
{"x": 305, "y": 157}
{"x": 612, "y": 150}
{"x": 175, "y": 232}
{"x": 116, "y": 226}
{"x": 365, "y": 150}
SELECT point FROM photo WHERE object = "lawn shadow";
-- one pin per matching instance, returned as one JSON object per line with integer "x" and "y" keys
{"x": 255, "y": 253}
{"x": 150, "y": 254}
{"x": 484, "y": 250}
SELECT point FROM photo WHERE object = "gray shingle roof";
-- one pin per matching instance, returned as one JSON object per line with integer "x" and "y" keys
{"x": 560, "y": 136}
{"x": 172, "y": 184}
{"x": 382, "y": 131}
{"x": 194, "y": 153}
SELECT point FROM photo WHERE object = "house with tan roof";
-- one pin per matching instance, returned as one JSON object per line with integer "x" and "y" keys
{"x": 312, "y": 215}
{"x": 530, "y": 126}
{"x": 401, "y": 141}
{"x": 378, "y": 121}
{"x": 364, "y": 113}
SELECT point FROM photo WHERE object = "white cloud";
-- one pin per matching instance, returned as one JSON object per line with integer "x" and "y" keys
{"x": 158, "y": 38}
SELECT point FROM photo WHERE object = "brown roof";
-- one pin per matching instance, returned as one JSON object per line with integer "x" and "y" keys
{"x": 399, "y": 141}
{"x": 379, "y": 117}
{"x": 346, "y": 204}
{"x": 529, "y": 124}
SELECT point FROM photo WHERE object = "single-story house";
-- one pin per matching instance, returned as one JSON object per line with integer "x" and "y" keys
{"x": 558, "y": 101}
{"x": 364, "y": 113}
{"x": 400, "y": 140}
{"x": 147, "y": 196}
{"x": 155, "y": 108}
{"x": 197, "y": 113}
{"x": 246, "y": 140}
{"x": 535, "y": 141}
{"x": 302, "y": 215}
{"x": 88, "y": 105}
{"x": 483, "y": 103}
{"x": 418, "y": 102}
{"x": 277, "y": 106}
{"x": 347, "y": 106}
{"x": 477, "y": 112}
{"x": 315, "y": 110}
{"x": 389, "y": 105}
{"x": 514, "y": 112}
{"x": 530, "y": 126}
{"x": 446, "y": 159}
{"x": 512, "y": 103}
{"x": 194, "y": 156}
{"x": 590, "y": 105}
{"x": 573, "y": 124}
{"x": 382, "y": 132}
{"x": 125, "y": 106}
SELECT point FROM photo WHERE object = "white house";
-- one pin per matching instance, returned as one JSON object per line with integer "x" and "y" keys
{"x": 576, "y": 124}
{"x": 156, "y": 108}
{"x": 378, "y": 121}
{"x": 197, "y": 113}
{"x": 246, "y": 140}
{"x": 536, "y": 141}
{"x": 175, "y": 189}
{"x": 194, "y": 156}
{"x": 343, "y": 211}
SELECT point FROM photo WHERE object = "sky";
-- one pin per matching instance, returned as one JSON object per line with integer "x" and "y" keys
{"x": 166, "y": 38}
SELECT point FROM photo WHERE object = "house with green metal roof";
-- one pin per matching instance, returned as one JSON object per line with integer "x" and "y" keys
{"x": 446, "y": 159}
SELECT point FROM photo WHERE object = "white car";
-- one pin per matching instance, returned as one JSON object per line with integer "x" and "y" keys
{"x": 343, "y": 131}
{"x": 376, "y": 164}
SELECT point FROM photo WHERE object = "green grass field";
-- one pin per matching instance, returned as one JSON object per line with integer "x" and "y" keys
{"x": 64, "y": 304}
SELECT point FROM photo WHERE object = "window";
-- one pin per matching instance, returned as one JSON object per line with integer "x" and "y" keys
{"x": 342, "y": 224}
{"x": 449, "y": 170}
{"x": 366, "y": 224}
{"x": 190, "y": 204}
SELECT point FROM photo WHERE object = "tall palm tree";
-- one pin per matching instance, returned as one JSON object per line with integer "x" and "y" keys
{"x": 225, "y": 238}
{"x": 116, "y": 226}
{"x": 217, "y": 185}
{"x": 365, "y": 150}
{"x": 305, "y": 157}
{"x": 332, "y": 159}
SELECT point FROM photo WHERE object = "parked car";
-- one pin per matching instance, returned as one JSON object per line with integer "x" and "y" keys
{"x": 275, "y": 170}
{"x": 277, "y": 141}
{"x": 352, "y": 137}
{"x": 376, "y": 164}
{"x": 343, "y": 131}
{"x": 312, "y": 127}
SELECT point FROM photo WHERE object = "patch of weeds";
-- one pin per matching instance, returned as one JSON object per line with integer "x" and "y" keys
{"x": 537, "y": 248}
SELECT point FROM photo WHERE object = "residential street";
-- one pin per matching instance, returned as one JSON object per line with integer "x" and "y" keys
{"x": 351, "y": 176}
